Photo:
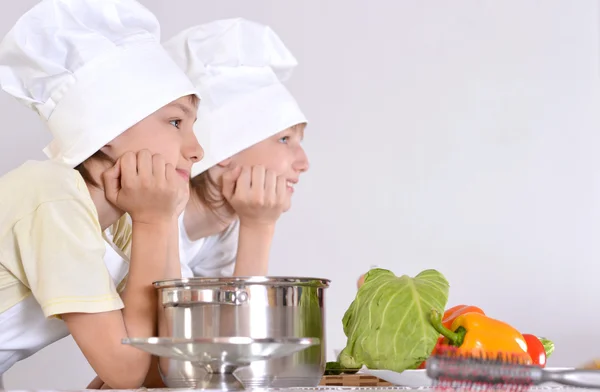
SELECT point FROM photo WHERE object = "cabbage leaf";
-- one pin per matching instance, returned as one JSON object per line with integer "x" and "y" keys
{"x": 387, "y": 325}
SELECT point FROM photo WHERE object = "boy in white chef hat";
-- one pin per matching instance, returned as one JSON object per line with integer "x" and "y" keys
{"x": 252, "y": 129}
{"x": 121, "y": 114}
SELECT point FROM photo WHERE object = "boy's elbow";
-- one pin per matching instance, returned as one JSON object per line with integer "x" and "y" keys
{"x": 128, "y": 377}
{"x": 126, "y": 382}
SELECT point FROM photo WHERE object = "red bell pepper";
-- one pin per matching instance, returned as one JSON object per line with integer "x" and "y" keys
{"x": 451, "y": 314}
{"x": 536, "y": 350}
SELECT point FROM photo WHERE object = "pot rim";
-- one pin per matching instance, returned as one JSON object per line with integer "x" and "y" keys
{"x": 246, "y": 280}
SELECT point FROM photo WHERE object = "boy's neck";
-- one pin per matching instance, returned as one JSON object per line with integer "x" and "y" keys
{"x": 108, "y": 214}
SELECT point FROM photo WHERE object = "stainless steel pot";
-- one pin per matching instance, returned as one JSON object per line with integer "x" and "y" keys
{"x": 256, "y": 307}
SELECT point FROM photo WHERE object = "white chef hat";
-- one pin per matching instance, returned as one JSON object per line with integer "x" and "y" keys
{"x": 238, "y": 67}
{"x": 91, "y": 69}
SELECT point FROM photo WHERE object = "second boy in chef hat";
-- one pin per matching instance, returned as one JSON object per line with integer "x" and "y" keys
{"x": 252, "y": 129}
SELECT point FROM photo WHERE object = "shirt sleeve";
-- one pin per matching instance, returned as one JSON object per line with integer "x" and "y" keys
{"x": 122, "y": 234}
{"x": 62, "y": 254}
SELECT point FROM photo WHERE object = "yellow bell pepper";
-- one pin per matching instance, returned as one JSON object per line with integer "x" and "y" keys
{"x": 481, "y": 336}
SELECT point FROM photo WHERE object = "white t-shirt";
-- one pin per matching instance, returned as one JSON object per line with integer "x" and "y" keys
{"x": 212, "y": 256}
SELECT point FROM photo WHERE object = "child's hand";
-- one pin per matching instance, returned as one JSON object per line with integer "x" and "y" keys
{"x": 183, "y": 198}
{"x": 256, "y": 194}
{"x": 146, "y": 187}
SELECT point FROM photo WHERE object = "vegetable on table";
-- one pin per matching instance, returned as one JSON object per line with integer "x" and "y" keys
{"x": 440, "y": 343}
{"x": 387, "y": 325}
{"x": 536, "y": 350}
{"x": 477, "y": 334}
{"x": 334, "y": 368}
{"x": 449, "y": 316}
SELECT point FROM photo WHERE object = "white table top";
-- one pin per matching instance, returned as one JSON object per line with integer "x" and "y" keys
{"x": 317, "y": 389}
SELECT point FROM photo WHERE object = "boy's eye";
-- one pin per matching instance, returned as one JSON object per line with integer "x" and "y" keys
{"x": 284, "y": 139}
{"x": 175, "y": 123}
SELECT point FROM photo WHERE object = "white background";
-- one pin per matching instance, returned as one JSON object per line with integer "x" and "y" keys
{"x": 459, "y": 135}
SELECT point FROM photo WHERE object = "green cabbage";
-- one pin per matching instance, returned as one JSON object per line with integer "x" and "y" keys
{"x": 387, "y": 325}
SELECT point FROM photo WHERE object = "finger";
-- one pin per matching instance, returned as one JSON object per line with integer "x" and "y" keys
{"x": 158, "y": 167}
{"x": 233, "y": 173}
{"x": 170, "y": 173}
{"x": 174, "y": 183}
{"x": 270, "y": 187}
{"x": 112, "y": 181}
{"x": 183, "y": 192}
{"x": 242, "y": 185}
{"x": 257, "y": 186}
{"x": 281, "y": 189}
{"x": 113, "y": 173}
{"x": 128, "y": 169}
{"x": 236, "y": 172}
{"x": 144, "y": 164}
{"x": 258, "y": 177}
{"x": 229, "y": 179}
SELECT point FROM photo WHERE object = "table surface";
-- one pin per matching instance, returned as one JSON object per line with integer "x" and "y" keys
{"x": 317, "y": 389}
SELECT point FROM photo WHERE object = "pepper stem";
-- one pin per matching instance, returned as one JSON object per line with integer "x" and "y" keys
{"x": 455, "y": 338}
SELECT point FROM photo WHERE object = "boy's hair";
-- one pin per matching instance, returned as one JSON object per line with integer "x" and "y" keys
{"x": 208, "y": 191}
{"x": 85, "y": 173}
{"x": 194, "y": 99}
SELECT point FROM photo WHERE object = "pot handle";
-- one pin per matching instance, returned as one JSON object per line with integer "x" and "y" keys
{"x": 224, "y": 296}
{"x": 233, "y": 296}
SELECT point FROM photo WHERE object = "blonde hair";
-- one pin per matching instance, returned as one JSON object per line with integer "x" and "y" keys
{"x": 85, "y": 173}
{"x": 208, "y": 191}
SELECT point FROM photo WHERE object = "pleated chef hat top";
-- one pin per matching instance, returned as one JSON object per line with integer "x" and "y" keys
{"x": 239, "y": 67}
{"x": 91, "y": 69}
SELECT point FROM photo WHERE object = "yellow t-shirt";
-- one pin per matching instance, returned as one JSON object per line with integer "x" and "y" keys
{"x": 51, "y": 243}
